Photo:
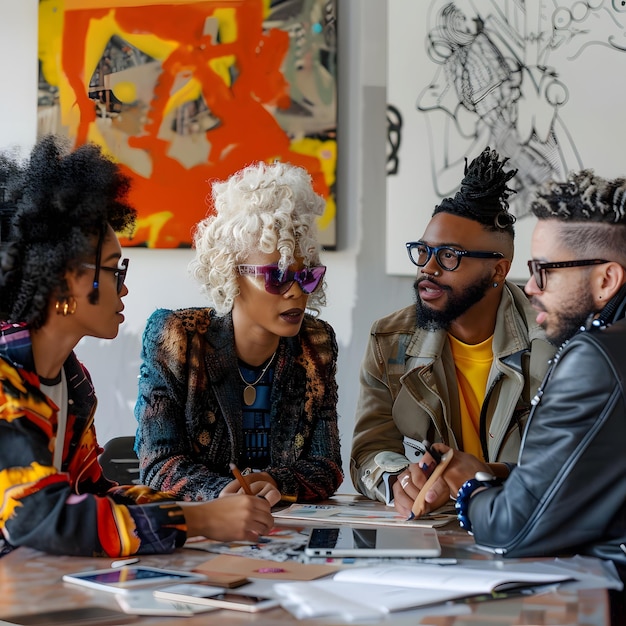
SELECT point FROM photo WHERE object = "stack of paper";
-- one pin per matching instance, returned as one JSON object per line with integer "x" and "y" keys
{"x": 366, "y": 592}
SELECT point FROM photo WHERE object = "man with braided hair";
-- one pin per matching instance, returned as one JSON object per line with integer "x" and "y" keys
{"x": 567, "y": 494}
{"x": 460, "y": 366}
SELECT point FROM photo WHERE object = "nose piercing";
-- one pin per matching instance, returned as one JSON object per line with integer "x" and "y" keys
{"x": 436, "y": 273}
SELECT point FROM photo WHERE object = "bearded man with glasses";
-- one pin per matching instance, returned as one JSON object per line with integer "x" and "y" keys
{"x": 567, "y": 495}
{"x": 249, "y": 381}
{"x": 462, "y": 365}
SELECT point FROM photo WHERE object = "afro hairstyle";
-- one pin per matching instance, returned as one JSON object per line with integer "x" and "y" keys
{"x": 57, "y": 204}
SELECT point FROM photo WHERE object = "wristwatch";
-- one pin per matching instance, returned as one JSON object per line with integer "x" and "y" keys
{"x": 482, "y": 480}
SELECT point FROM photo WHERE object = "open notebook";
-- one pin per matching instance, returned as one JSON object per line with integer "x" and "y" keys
{"x": 368, "y": 592}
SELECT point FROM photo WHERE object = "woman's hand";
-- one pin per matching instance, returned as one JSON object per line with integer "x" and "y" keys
{"x": 260, "y": 483}
{"x": 232, "y": 518}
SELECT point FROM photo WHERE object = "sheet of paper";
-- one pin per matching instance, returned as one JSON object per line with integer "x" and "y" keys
{"x": 281, "y": 544}
{"x": 360, "y": 512}
{"x": 326, "y": 597}
{"x": 457, "y": 580}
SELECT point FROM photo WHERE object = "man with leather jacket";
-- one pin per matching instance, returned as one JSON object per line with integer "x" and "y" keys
{"x": 567, "y": 494}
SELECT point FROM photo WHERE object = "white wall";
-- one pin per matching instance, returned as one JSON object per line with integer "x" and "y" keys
{"x": 359, "y": 291}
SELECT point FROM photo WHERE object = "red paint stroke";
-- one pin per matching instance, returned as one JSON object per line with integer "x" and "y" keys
{"x": 247, "y": 131}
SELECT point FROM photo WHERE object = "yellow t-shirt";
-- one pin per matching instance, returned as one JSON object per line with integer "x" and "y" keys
{"x": 473, "y": 363}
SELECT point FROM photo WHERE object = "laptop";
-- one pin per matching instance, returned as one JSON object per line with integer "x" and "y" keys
{"x": 379, "y": 541}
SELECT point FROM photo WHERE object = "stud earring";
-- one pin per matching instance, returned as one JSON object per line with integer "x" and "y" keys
{"x": 495, "y": 285}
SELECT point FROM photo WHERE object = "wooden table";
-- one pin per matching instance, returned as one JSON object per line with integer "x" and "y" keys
{"x": 30, "y": 581}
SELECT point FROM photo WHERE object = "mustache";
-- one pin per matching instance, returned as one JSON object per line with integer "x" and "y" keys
{"x": 430, "y": 280}
{"x": 536, "y": 304}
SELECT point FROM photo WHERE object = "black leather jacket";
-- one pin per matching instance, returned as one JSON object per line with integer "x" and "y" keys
{"x": 567, "y": 495}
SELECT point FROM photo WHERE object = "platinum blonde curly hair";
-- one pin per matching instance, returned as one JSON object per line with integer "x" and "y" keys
{"x": 263, "y": 207}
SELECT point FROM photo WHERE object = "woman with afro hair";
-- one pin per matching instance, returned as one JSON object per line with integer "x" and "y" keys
{"x": 61, "y": 279}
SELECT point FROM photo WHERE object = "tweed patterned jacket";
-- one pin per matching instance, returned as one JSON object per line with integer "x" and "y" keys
{"x": 75, "y": 511}
{"x": 189, "y": 407}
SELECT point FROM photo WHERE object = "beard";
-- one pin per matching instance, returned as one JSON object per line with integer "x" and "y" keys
{"x": 567, "y": 323}
{"x": 458, "y": 303}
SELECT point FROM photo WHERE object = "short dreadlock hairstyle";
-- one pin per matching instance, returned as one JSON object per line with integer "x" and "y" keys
{"x": 591, "y": 212}
{"x": 483, "y": 196}
{"x": 57, "y": 204}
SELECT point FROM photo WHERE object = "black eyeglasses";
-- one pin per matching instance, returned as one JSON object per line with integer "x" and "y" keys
{"x": 279, "y": 282}
{"x": 118, "y": 272}
{"x": 538, "y": 269}
{"x": 448, "y": 258}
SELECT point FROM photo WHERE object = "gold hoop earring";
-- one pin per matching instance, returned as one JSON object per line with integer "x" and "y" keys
{"x": 65, "y": 306}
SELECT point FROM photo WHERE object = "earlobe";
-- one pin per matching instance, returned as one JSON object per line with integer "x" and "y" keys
{"x": 613, "y": 277}
{"x": 502, "y": 268}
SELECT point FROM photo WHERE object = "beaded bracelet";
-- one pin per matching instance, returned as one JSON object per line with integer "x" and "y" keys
{"x": 483, "y": 480}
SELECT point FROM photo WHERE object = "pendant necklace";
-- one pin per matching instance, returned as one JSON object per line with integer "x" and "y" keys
{"x": 249, "y": 392}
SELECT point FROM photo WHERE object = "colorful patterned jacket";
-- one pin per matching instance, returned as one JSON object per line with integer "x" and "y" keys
{"x": 190, "y": 416}
{"x": 75, "y": 511}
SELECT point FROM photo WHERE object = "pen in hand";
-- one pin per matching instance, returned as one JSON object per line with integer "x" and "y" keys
{"x": 240, "y": 478}
{"x": 419, "y": 504}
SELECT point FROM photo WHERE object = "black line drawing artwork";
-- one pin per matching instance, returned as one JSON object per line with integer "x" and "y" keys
{"x": 394, "y": 136}
{"x": 498, "y": 82}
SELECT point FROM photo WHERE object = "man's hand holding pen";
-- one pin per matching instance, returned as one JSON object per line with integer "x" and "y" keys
{"x": 442, "y": 481}
{"x": 414, "y": 477}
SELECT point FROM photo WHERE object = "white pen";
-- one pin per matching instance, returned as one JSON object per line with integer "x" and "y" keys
{"x": 123, "y": 562}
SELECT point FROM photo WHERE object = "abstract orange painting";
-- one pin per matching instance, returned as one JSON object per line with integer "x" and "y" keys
{"x": 184, "y": 92}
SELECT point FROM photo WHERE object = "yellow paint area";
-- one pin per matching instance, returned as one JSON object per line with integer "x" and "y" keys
{"x": 14, "y": 481}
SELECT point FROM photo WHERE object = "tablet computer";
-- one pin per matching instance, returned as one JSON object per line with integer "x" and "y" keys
{"x": 383, "y": 541}
{"x": 129, "y": 578}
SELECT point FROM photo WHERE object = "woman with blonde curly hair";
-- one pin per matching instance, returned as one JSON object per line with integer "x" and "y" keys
{"x": 249, "y": 381}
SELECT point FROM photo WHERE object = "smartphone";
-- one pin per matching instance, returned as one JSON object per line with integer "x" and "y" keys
{"x": 144, "y": 602}
{"x": 128, "y": 578}
{"x": 414, "y": 450}
{"x": 212, "y": 596}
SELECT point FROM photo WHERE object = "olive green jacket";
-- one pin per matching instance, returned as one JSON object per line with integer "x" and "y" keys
{"x": 409, "y": 388}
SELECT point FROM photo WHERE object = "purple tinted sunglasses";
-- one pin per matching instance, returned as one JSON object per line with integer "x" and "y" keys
{"x": 278, "y": 282}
